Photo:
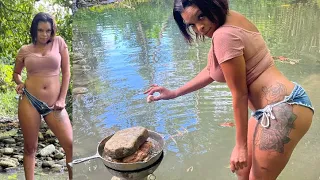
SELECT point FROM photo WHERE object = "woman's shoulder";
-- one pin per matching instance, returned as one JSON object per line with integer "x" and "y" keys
{"x": 59, "y": 40}
{"x": 25, "y": 48}
{"x": 23, "y": 51}
{"x": 236, "y": 24}
{"x": 226, "y": 32}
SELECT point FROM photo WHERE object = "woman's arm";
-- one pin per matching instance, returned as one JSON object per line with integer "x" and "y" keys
{"x": 198, "y": 82}
{"x": 17, "y": 75}
{"x": 234, "y": 71}
{"x": 18, "y": 66}
{"x": 65, "y": 70}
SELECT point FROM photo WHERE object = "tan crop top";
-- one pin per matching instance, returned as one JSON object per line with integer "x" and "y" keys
{"x": 230, "y": 41}
{"x": 37, "y": 65}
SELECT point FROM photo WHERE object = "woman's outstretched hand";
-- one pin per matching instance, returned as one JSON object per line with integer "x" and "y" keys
{"x": 165, "y": 94}
{"x": 239, "y": 158}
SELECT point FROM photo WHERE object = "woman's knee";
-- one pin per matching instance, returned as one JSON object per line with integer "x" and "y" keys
{"x": 30, "y": 148}
{"x": 67, "y": 145}
{"x": 243, "y": 174}
{"x": 263, "y": 173}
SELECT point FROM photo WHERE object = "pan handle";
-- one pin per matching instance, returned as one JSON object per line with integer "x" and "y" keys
{"x": 80, "y": 160}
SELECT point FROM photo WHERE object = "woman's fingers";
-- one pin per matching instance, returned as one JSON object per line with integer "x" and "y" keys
{"x": 232, "y": 167}
{"x": 57, "y": 108}
{"x": 147, "y": 91}
{"x": 19, "y": 89}
{"x": 157, "y": 98}
{"x": 154, "y": 89}
{"x": 152, "y": 86}
{"x": 242, "y": 164}
{"x": 237, "y": 165}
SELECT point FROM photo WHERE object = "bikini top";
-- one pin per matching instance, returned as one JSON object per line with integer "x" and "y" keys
{"x": 37, "y": 65}
{"x": 230, "y": 41}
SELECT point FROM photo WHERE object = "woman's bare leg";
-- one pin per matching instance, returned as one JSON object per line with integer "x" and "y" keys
{"x": 29, "y": 120}
{"x": 273, "y": 146}
{"x": 59, "y": 123}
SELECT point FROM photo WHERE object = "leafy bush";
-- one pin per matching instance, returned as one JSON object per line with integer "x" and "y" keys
{"x": 9, "y": 104}
{"x": 6, "y": 83}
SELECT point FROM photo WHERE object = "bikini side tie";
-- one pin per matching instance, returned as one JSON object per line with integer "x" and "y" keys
{"x": 266, "y": 115}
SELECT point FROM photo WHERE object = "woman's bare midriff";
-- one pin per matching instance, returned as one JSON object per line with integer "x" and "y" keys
{"x": 270, "y": 87}
{"x": 45, "y": 88}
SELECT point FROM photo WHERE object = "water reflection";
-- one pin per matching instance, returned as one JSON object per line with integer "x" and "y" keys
{"x": 127, "y": 50}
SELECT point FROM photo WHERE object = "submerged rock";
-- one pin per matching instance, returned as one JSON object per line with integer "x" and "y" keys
{"x": 80, "y": 90}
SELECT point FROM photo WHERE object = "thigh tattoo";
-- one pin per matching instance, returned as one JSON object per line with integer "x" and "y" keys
{"x": 277, "y": 134}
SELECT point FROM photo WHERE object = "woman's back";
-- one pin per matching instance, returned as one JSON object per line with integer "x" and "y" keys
{"x": 259, "y": 63}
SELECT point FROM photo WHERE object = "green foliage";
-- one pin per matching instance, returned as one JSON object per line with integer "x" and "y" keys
{"x": 14, "y": 27}
{"x": 9, "y": 104}
{"x": 6, "y": 82}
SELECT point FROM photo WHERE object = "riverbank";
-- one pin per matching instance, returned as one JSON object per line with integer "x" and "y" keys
{"x": 50, "y": 157}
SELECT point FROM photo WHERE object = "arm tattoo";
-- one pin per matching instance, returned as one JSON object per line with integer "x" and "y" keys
{"x": 274, "y": 93}
{"x": 277, "y": 135}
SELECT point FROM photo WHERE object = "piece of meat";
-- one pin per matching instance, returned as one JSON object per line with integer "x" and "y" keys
{"x": 139, "y": 155}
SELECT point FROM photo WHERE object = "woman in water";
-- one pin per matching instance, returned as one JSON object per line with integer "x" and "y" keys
{"x": 282, "y": 111}
{"x": 42, "y": 94}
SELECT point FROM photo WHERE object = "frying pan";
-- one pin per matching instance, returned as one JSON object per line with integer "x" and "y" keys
{"x": 140, "y": 174}
{"x": 156, "y": 151}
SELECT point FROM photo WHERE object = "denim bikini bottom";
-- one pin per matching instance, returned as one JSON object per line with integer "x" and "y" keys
{"x": 40, "y": 106}
{"x": 298, "y": 96}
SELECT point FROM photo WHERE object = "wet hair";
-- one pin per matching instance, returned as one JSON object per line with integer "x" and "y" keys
{"x": 42, "y": 17}
{"x": 215, "y": 10}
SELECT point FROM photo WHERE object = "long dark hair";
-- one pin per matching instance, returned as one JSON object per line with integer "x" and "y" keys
{"x": 42, "y": 17}
{"x": 215, "y": 10}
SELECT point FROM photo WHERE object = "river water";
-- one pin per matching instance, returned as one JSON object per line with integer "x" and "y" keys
{"x": 127, "y": 48}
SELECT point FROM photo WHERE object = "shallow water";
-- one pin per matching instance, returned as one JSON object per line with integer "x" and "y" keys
{"x": 128, "y": 49}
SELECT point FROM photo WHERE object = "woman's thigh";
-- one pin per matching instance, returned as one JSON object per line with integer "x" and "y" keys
{"x": 59, "y": 123}
{"x": 274, "y": 145}
{"x": 29, "y": 120}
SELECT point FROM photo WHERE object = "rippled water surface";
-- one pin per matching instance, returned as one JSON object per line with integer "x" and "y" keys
{"x": 126, "y": 49}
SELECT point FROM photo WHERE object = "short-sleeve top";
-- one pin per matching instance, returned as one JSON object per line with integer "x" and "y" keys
{"x": 37, "y": 65}
{"x": 230, "y": 41}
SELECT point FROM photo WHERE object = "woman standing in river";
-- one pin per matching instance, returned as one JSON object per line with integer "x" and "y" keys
{"x": 42, "y": 94}
{"x": 282, "y": 111}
